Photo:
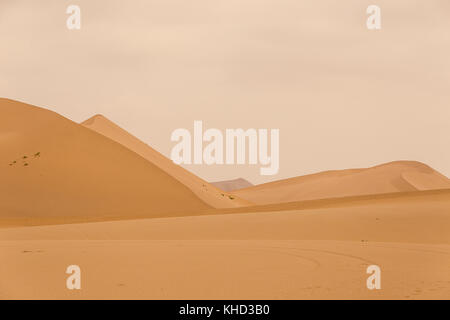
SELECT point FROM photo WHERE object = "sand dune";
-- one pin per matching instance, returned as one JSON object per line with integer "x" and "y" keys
{"x": 204, "y": 190}
{"x": 398, "y": 176}
{"x": 231, "y": 185}
{"x": 308, "y": 254}
{"x": 53, "y": 167}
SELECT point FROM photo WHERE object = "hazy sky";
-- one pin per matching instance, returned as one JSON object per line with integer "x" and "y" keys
{"x": 341, "y": 95}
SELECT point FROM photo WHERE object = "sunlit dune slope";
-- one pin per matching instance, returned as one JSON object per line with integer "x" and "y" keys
{"x": 204, "y": 190}
{"x": 398, "y": 176}
{"x": 53, "y": 167}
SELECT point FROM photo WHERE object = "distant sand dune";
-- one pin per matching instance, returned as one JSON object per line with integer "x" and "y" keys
{"x": 231, "y": 185}
{"x": 398, "y": 176}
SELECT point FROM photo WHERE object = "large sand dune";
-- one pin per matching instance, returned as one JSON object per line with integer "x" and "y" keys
{"x": 53, "y": 167}
{"x": 204, "y": 190}
{"x": 398, "y": 176}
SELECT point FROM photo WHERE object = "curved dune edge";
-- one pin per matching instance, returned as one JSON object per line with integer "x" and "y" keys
{"x": 209, "y": 193}
{"x": 397, "y": 176}
{"x": 52, "y": 167}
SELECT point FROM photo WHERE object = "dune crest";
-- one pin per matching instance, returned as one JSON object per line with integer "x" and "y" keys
{"x": 204, "y": 190}
{"x": 397, "y": 176}
{"x": 53, "y": 167}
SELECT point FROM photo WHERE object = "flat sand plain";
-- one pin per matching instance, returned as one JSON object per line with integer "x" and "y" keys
{"x": 293, "y": 254}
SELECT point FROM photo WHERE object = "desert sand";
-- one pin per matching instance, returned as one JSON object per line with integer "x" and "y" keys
{"x": 397, "y": 176}
{"x": 204, "y": 190}
{"x": 296, "y": 254}
{"x": 140, "y": 227}
{"x": 53, "y": 167}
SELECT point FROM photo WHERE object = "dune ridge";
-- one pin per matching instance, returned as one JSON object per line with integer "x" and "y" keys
{"x": 53, "y": 167}
{"x": 204, "y": 190}
{"x": 397, "y": 176}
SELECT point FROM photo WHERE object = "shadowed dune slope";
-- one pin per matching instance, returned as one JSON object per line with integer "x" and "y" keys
{"x": 230, "y": 185}
{"x": 53, "y": 167}
{"x": 398, "y": 176}
{"x": 204, "y": 190}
